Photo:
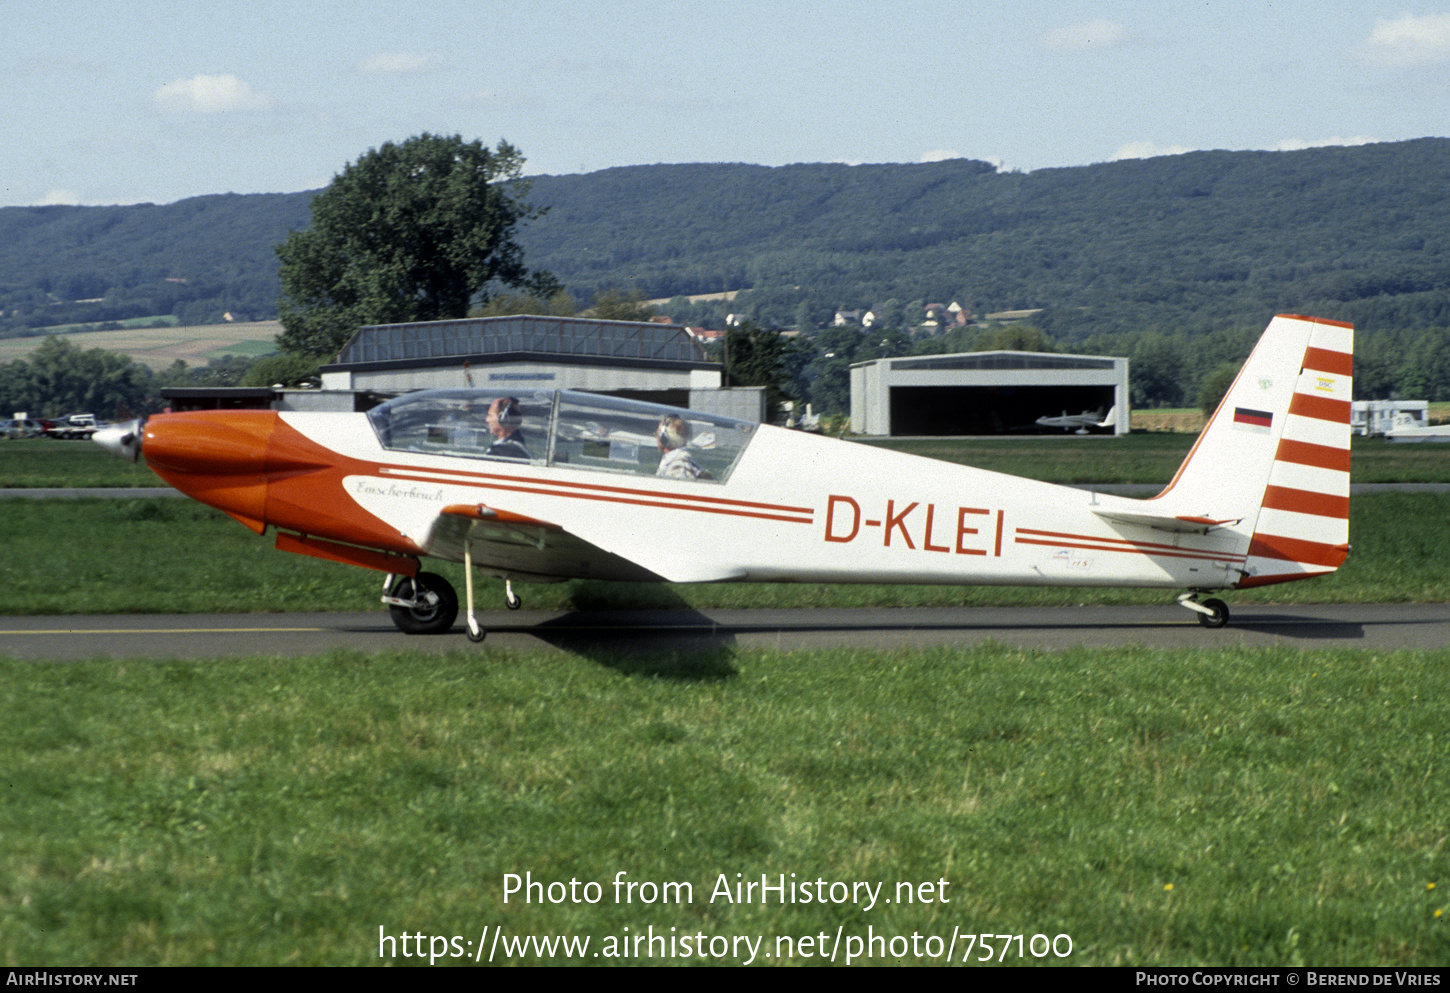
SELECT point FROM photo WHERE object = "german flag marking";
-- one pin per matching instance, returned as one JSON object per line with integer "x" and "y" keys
{"x": 1253, "y": 418}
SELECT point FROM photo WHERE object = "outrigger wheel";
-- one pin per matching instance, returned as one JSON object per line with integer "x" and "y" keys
{"x": 425, "y": 605}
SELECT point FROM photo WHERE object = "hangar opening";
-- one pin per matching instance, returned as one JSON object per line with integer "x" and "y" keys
{"x": 954, "y": 410}
{"x": 987, "y": 393}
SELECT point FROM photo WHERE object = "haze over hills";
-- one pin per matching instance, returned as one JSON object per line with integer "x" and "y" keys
{"x": 1195, "y": 242}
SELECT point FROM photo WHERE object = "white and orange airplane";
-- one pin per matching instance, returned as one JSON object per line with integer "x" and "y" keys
{"x": 561, "y": 485}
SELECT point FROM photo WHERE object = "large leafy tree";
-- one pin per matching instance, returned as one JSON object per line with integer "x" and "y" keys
{"x": 761, "y": 357}
{"x": 409, "y": 232}
{"x": 59, "y": 378}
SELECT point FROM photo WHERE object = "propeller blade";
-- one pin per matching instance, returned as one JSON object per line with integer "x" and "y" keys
{"x": 121, "y": 440}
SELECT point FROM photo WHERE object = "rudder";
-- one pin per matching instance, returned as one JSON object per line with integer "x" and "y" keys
{"x": 1302, "y": 528}
{"x": 1275, "y": 454}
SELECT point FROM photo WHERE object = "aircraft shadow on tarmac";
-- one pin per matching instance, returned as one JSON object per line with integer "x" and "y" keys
{"x": 1295, "y": 626}
{"x": 682, "y": 643}
{"x": 669, "y": 640}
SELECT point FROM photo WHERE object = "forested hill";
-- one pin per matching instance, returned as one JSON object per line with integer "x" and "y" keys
{"x": 1184, "y": 242}
{"x": 1198, "y": 241}
{"x": 194, "y": 260}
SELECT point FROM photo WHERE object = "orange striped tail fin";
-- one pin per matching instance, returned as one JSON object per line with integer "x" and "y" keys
{"x": 1302, "y": 528}
{"x": 1274, "y": 458}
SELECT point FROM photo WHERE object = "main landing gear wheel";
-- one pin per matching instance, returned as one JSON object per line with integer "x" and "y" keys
{"x": 434, "y": 604}
{"x": 510, "y": 597}
{"x": 1211, "y": 613}
{"x": 1218, "y": 616}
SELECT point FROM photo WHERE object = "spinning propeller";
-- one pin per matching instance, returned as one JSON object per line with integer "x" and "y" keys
{"x": 123, "y": 440}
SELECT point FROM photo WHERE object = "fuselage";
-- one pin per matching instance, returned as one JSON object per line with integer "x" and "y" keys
{"x": 791, "y": 507}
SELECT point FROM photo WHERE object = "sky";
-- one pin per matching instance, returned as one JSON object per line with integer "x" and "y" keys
{"x": 133, "y": 101}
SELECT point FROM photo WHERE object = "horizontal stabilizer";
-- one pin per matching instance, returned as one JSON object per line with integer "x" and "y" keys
{"x": 1185, "y": 524}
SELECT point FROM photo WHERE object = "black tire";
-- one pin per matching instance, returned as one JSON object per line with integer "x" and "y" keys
{"x": 435, "y": 618}
{"x": 1219, "y": 617}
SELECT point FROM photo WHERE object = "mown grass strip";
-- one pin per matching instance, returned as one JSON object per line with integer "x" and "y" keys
{"x": 1248, "y": 807}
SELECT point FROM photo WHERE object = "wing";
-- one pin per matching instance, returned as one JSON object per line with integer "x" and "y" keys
{"x": 513, "y": 546}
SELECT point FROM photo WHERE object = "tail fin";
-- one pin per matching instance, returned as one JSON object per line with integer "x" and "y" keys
{"x": 1275, "y": 454}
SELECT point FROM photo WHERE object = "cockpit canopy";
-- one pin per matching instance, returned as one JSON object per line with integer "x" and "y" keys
{"x": 564, "y": 428}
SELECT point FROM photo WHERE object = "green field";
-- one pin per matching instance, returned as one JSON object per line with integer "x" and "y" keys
{"x": 31, "y": 463}
{"x": 1247, "y": 807}
{"x": 1154, "y": 457}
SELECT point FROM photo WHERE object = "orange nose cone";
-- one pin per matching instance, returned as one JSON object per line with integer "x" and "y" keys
{"x": 215, "y": 456}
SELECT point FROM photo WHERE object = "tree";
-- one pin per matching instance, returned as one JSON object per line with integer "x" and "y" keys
{"x": 760, "y": 357}
{"x": 614, "y": 305}
{"x": 286, "y": 368}
{"x": 1215, "y": 387}
{"x": 829, "y": 372}
{"x": 410, "y": 232}
{"x": 561, "y": 304}
{"x": 60, "y": 378}
{"x": 1015, "y": 338}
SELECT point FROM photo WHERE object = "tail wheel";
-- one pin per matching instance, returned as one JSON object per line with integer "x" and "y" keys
{"x": 435, "y": 605}
{"x": 1218, "y": 618}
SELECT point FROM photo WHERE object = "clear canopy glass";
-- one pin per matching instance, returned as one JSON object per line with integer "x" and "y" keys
{"x": 564, "y": 428}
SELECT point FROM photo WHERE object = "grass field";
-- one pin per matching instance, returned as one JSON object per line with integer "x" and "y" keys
{"x": 1153, "y": 457}
{"x": 1158, "y": 808}
{"x": 160, "y": 347}
{"x": 30, "y": 463}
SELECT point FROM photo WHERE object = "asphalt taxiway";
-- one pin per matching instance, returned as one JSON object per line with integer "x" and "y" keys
{"x": 1380, "y": 627}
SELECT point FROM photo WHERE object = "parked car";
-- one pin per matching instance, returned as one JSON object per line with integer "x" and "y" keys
{"x": 75, "y": 426}
{"x": 21, "y": 427}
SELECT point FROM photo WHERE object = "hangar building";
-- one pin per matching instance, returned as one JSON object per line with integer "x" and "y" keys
{"x": 977, "y": 393}
{"x": 661, "y": 363}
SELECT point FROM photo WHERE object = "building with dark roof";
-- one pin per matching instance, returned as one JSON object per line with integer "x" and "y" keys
{"x": 661, "y": 363}
{"x": 645, "y": 360}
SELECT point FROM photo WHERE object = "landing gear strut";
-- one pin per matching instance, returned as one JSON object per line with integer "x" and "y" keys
{"x": 1211, "y": 613}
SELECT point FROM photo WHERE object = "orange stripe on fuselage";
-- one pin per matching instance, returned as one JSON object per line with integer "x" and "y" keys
{"x": 664, "y": 501}
{"x": 1061, "y": 539}
{"x": 488, "y": 479}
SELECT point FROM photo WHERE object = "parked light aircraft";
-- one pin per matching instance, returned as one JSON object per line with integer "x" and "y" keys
{"x": 1406, "y": 428}
{"x": 1083, "y": 422}
{"x": 557, "y": 485}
